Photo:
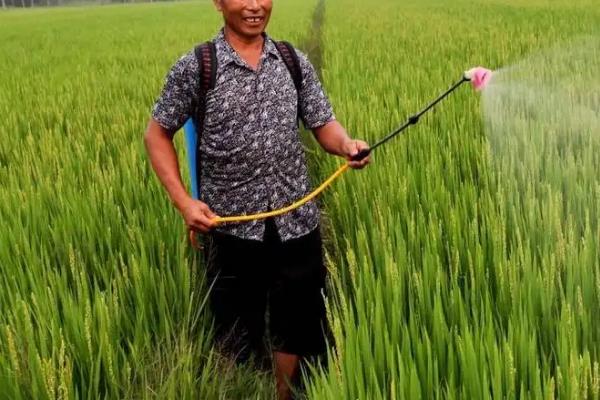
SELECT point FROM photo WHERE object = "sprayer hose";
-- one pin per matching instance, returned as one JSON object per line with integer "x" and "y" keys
{"x": 314, "y": 193}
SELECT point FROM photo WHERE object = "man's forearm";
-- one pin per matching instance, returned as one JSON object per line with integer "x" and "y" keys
{"x": 333, "y": 138}
{"x": 164, "y": 161}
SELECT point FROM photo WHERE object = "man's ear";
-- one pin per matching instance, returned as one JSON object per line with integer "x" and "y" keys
{"x": 218, "y": 4}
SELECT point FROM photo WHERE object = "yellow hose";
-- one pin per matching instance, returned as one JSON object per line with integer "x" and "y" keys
{"x": 251, "y": 217}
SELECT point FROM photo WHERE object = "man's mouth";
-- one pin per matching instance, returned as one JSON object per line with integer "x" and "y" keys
{"x": 253, "y": 20}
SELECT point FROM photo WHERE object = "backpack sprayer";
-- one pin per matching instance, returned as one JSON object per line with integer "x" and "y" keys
{"x": 478, "y": 76}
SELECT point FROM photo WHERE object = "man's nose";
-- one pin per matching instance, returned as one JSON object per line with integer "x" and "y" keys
{"x": 252, "y": 4}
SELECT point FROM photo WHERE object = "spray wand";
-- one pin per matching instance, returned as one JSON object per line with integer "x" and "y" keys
{"x": 478, "y": 76}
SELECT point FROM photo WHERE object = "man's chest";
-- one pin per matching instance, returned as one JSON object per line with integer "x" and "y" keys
{"x": 251, "y": 113}
{"x": 260, "y": 98}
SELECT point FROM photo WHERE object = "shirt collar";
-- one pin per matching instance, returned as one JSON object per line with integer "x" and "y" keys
{"x": 226, "y": 54}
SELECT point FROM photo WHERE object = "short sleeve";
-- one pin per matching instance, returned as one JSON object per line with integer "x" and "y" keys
{"x": 315, "y": 108}
{"x": 179, "y": 94}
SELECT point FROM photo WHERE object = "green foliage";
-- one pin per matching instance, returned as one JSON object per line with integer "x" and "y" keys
{"x": 458, "y": 273}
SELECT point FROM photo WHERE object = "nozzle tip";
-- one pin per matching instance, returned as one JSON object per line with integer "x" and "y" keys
{"x": 479, "y": 77}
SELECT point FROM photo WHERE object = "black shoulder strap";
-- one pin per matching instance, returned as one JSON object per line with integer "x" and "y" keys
{"x": 291, "y": 61}
{"x": 206, "y": 55}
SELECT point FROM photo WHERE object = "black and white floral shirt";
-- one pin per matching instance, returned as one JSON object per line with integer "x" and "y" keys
{"x": 252, "y": 159}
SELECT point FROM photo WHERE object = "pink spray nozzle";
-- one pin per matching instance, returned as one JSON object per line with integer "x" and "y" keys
{"x": 479, "y": 77}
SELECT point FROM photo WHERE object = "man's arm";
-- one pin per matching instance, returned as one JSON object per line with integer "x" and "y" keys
{"x": 317, "y": 114}
{"x": 159, "y": 145}
{"x": 333, "y": 139}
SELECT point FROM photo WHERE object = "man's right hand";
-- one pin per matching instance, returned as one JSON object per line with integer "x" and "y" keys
{"x": 198, "y": 216}
{"x": 159, "y": 144}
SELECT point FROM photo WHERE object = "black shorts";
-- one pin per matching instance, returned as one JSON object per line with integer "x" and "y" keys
{"x": 282, "y": 280}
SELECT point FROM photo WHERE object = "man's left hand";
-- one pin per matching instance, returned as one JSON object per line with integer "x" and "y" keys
{"x": 353, "y": 147}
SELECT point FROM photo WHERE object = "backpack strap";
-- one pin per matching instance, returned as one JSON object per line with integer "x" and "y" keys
{"x": 206, "y": 56}
{"x": 290, "y": 58}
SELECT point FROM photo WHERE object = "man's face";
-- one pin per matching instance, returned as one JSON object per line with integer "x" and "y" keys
{"x": 247, "y": 18}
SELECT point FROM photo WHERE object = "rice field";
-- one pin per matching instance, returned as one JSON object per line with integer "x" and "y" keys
{"x": 464, "y": 264}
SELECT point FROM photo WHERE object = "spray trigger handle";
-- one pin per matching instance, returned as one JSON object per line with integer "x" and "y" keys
{"x": 360, "y": 155}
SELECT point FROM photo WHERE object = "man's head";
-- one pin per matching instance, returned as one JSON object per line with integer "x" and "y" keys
{"x": 247, "y": 18}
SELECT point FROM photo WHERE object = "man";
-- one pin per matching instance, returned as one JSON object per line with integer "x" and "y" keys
{"x": 252, "y": 160}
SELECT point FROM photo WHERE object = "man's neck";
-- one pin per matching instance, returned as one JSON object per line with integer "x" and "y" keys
{"x": 241, "y": 43}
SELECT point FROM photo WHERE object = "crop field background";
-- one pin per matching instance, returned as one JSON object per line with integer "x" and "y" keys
{"x": 464, "y": 262}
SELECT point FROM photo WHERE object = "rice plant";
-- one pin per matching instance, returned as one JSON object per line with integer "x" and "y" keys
{"x": 101, "y": 295}
{"x": 454, "y": 276}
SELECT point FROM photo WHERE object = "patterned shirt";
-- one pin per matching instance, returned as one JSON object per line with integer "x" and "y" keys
{"x": 251, "y": 156}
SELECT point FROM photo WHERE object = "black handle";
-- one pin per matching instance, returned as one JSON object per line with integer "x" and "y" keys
{"x": 360, "y": 155}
